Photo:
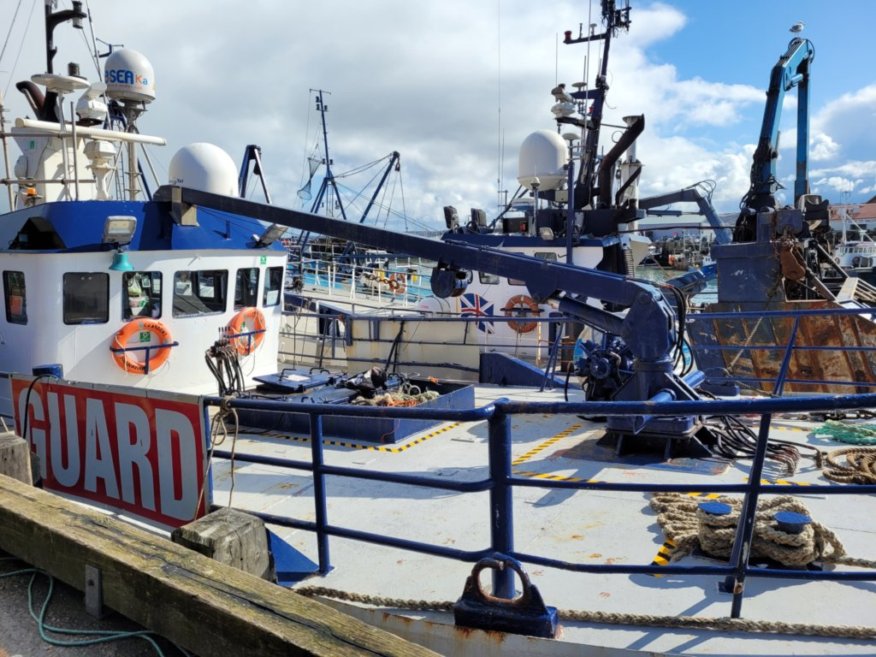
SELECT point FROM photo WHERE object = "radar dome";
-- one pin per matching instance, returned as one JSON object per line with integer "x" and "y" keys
{"x": 543, "y": 155}
{"x": 205, "y": 167}
{"x": 129, "y": 76}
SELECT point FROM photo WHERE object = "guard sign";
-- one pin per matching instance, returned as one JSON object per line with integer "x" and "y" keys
{"x": 141, "y": 452}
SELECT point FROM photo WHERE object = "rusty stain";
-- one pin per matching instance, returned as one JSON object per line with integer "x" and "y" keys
{"x": 604, "y": 594}
{"x": 407, "y": 620}
{"x": 595, "y": 555}
{"x": 576, "y": 537}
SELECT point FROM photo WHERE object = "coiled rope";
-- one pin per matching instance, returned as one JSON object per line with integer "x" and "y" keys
{"x": 689, "y": 527}
{"x": 849, "y": 465}
{"x": 855, "y": 434}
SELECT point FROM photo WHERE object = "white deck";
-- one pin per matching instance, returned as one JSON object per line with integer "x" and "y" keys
{"x": 580, "y": 526}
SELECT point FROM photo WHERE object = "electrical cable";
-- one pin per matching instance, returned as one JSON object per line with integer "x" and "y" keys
{"x": 94, "y": 637}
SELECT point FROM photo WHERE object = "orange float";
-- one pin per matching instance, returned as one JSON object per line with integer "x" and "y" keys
{"x": 246, "y": 330}
{"x": 521, "y": 306}
{"x": 156, "y": 355}
{"x": 397, "y": 283}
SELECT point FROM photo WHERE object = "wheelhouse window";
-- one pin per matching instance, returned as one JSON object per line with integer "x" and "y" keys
{"x": 488, "y": 279}
{"x": 15, "y": 297}
{"x": 246, "y": 288}
{"x": 86, "y": 298}
{"x": 273, "y": 286}
{"x": 203, "y": 292}
{"x": 141, "y": 294}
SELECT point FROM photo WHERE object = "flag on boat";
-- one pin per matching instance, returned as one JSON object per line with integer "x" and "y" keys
{"x": 474, "y": 305}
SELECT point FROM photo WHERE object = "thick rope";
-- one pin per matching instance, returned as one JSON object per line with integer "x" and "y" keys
{"x": 400, "y": 398}
{"x": 724, "y": 624}
{"x": 849, "y": 465}
{"x": 689, "y": 527}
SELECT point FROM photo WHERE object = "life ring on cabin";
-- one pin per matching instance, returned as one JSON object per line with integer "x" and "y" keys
{"x": 246, "y": 330}
{"x": 397, "y": 283}
{"x": 156, "y": 356}
{"x": 521, "y": 306}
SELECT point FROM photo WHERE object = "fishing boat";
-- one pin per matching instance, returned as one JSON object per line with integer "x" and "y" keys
{"x": 574, "y": 205}
{"x": 633, "y": 515}
{"x": 855, "y": 250}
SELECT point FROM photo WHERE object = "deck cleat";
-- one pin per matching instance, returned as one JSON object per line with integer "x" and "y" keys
{"x": 524, "y": 614}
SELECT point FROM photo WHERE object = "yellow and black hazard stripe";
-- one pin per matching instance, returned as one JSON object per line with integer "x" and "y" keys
{"x": 547, "y": 443}
{"x": 386, "y": 449}
{"x": 664, "y": 554}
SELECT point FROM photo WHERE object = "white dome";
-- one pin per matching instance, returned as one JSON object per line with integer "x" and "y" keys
{"x": 129, "y": 76}
{"x": 205, "y": 167}
{"x": 543, "y": 155}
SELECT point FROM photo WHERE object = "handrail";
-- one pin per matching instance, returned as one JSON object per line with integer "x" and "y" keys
{"x": 501, "y": 481}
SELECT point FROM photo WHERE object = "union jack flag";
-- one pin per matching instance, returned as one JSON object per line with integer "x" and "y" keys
{"x": 474, "y": 305}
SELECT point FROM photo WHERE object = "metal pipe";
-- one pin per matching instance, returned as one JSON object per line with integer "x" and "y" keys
{"x": 43, "y": 127}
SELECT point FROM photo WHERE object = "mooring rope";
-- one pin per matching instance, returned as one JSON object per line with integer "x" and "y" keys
{"x": 689, "y": 527}
{"x": 849, "y": 465}
{"x": 717, "y": 624}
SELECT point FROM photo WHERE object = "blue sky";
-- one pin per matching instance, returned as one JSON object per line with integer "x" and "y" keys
{"x": 454, "y": 84}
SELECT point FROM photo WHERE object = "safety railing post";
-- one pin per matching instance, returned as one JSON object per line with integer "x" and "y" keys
{"x": 501, "y": 499}
{"x": 745, "y": 530}
{"x": 321, "y": 508}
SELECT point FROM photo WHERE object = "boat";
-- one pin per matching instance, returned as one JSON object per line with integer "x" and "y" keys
{"x": 574, "y": 205}
{"x": 638, "y": 516}
{"x": 857, "y": 257}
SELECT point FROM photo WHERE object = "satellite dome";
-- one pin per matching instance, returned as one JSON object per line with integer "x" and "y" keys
{"x": 129, "y": 76}
{"x": 543, "y": 155}
{"x": 205, "y": 167}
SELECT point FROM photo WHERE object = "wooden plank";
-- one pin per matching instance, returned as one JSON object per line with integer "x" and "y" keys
{"x": 15, "y": 457}
{"x": 200, "y": 604}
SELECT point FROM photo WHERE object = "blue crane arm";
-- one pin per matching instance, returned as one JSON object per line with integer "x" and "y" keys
{"x": 792, "y": 70}
{"x": 651, "y": 341}
{"x": 723, "y": 234}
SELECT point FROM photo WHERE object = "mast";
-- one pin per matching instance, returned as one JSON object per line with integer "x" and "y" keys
{"x": 614, "y": 20}
{"x": 329, "y": 180}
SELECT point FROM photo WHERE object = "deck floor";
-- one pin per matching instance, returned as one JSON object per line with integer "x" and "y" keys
{"x": 600, "y": 527}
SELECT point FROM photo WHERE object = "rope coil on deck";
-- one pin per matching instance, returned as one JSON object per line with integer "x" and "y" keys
{"x": 855, "y": 434}
{"x": 849, "y": 465}
{"x": 690, "y": 527}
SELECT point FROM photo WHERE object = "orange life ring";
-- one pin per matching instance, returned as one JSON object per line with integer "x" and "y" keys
{"x": 521, "y": 306}
{"x": 246, "y": 330}
{"x": 155, "y": 357}
{"x": 397, "y": 283}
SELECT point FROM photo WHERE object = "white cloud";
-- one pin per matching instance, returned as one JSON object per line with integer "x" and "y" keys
{"x": 427, "y": 79}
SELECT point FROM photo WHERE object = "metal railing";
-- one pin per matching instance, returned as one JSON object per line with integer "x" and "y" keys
{"x": 501, "y": 481}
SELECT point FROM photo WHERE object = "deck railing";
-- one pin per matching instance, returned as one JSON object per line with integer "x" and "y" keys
{"x": 501, "y": 481}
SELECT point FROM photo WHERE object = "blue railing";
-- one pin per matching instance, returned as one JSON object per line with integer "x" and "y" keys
{"x": 501, "y": 481}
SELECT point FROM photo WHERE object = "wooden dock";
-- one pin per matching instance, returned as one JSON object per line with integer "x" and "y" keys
{"x": 200, "y": 604}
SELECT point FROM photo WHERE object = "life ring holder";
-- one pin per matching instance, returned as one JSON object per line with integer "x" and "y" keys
{"x": 397, "y": 283}
{"x": 513, "y": 308}
{"x": 156, "y": 354}
{"x": 246, "y": 330}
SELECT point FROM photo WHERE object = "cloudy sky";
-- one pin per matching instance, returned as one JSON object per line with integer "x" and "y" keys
{"x": 456, "y": 86}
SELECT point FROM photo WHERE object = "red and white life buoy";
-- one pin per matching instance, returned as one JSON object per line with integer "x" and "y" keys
{"x": 246, "y": 330}
{"x": 521, "y": 306}
{"x": 156, "y": 355}
{"x": 397, "y": 283}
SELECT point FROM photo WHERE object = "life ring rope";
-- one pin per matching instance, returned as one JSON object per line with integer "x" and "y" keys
{"x": 156, "y": 354}
{"x": 246, "y": 330}
{"x": 521, "y": 306}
